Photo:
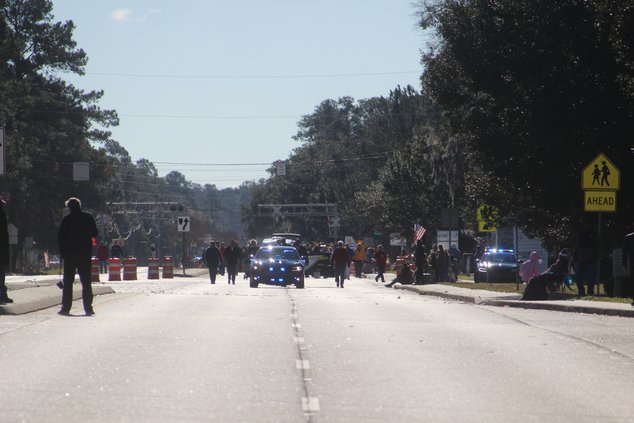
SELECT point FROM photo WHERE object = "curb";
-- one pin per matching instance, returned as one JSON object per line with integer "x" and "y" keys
{"x": 516, "y": 303}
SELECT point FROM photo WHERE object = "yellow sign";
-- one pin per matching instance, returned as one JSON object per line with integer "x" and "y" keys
{"x": 599, "y": 201}
{"x": 601, "y": 175}
{"x": 486, "y": 223}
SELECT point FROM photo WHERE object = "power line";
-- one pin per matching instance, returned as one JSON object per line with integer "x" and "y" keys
{"x": 290, "y": 76}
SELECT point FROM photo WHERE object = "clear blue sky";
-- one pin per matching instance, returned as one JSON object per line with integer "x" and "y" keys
{"x": 199, "y": 83}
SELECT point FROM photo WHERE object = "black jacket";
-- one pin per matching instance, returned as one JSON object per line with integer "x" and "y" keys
{"x": 212, "y": 257}
{"x": 75, "y": 235}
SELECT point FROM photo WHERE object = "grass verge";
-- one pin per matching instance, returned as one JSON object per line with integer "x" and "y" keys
{"x": 568, "y": 294}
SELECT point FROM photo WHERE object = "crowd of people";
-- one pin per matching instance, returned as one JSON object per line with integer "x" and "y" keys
{"x": 78, "y": 232}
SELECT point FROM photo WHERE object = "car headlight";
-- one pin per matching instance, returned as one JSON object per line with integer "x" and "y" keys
{"x": 254, "y": 267}
{"x": 297, "y": 268}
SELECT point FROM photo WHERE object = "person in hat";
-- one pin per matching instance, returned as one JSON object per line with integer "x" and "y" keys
{"x": 4, "y": 253}
{"x": 75, "y": 235}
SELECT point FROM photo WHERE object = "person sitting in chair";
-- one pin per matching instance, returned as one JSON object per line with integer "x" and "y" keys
{"x": 538, "y": 286}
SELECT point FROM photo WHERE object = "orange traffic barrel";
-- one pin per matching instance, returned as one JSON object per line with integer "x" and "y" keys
{"x": 94, "y": 271}
{"x": 168, "y": 267}
{"x": 129, "y": 269}
{"x": 114, "y": 269}
{"x": 153, "y": 268}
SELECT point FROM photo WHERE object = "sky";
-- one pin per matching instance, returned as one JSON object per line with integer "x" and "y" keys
{"x": 214, "y": 89}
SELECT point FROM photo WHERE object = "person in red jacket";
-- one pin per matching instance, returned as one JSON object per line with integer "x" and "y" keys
{"x": 380, "y": 258}
{"x": 340, "y": 260}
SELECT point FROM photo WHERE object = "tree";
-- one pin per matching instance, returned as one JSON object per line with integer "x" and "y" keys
{"x": 536, "y": 89}
{"x": 49, "y": 124}
{"x": 344, "y": 145}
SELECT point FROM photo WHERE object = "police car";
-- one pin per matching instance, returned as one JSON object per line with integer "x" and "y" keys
{"x": 277, "y": 265}
{"x": 497, "y": 265}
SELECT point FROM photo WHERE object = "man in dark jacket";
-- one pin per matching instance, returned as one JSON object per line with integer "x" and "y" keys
{"x": 4, "y": 253}
{"x": 212, "y": 259}
{"x": 340, "y": 260}
{"x": 232, "y": 256}
{"x": 75, "y": 236}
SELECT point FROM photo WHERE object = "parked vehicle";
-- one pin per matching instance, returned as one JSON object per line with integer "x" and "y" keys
{"x": 497, "y": 265}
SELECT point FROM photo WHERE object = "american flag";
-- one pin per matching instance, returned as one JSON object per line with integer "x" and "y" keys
{"x": 419, "y": 231}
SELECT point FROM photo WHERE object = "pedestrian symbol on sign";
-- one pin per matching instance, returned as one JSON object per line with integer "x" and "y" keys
{"x": 600, "y": 174}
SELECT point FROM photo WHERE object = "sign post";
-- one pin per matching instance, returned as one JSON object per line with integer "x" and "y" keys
{"x": 600, "y": 180}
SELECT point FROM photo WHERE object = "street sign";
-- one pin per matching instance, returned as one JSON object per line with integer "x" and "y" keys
{"x": 81, "y": 171}
{"x": 183, "y": 224}
{"x": 486, "y": 224}
{"x": 280, "y": 169}
{"x": 599, "y": 201}
{"x": 13, "y": 234}
{"x": 396, "y": 240}
{"x": 601, "y": 175}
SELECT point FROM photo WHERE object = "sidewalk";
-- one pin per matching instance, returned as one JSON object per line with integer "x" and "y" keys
{"x": 32, "y": 293}
{"x": 502, "y": 299}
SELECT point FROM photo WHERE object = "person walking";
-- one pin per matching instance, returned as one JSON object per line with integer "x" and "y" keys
{"x": 4, "y": 253}
{"x": 212, "y": 259}
{"x": 380, "y": 258}
{"x": 251, "y": 249}
{"x": 585, "y": 260}
{"x": 359, "y": 259}
{"x": 340, "y": 260}
{"x": 627, "y": 258}
{"x": 75, "y": 235}
{"x": 232, "y": 256}
{"x": 102, "y": 255}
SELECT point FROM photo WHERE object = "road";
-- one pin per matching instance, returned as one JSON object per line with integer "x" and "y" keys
{"x": 187, "y": 351}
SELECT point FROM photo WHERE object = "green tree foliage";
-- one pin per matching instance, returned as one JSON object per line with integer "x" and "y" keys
{"x": 418, "y": 180}
{"x": 536, "y": 89}
{"x": 344, "y": 144}
{"x": 49, "y": 124}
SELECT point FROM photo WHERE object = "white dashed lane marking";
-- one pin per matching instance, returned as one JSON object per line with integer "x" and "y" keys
{"x": 302, "y": 364}
{"x": 310, "y": 404}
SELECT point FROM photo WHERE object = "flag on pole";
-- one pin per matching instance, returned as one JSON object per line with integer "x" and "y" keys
{"x": 419, "y": 231}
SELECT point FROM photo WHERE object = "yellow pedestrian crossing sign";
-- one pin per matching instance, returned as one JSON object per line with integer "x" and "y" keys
{"x": 487, "y": 217}
{"x": 601, "y": 175}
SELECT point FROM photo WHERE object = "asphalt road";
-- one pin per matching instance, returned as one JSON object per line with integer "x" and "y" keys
{"x": 184, "y": 350}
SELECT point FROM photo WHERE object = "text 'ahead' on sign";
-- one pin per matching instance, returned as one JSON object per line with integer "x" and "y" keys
{"x": 599, "y": 201}
{"x": 601, "y": 175}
